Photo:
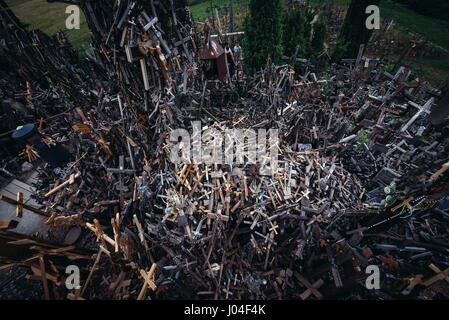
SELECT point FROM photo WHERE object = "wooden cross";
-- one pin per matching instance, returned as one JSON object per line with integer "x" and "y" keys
{"x": 309, "y": 286}
{"x": 389, "y": 260}
{"x": 443, "y": 169}
{"x": 189, "y": 169}
{"x": 227, "y": 289}
{"x": 308, "y": 292}
{"x": 397, "y": 147}
{"x": 23, "y": 206}
{"x": 273, "y": 227}
{"x": 149, "y": 281}
{"x": 423, "y": 109}
{"x": 121, "y": 170}
{"x": 71, "y": 180}
{"x": 183, "y": 41}
{"x": 218, "y": 216}
{"x": 141, "y": 236}
{"x": 413, "y": 282}
{"x": 44, "y": 277}
{"x": 404, "y": 203}
{"x": 441, "y": 275}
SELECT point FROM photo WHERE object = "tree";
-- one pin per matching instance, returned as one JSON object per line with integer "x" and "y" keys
{"x": 297, "y": 30}
{"x": 354, "y": 31}
{"x": 293, "y": 33}
{"x": 263, "y": 34}
{"x": 319, "y": 36}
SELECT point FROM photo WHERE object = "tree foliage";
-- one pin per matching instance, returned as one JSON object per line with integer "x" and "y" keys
{"x": 294, "y": 33}
{"x": 263, "y": 33}
{"x": 354, "y": 31}
{"x": 319, "y": 36}
{"x": 297, "y": 30}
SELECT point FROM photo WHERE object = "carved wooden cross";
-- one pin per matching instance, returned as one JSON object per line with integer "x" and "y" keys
{"x": 149, "y": 281}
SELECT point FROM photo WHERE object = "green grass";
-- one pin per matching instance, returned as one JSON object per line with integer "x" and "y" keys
{"x": 433, "y": 69}
{"x": 435, "y": 30}
{"x": 198, "y": 8}
{"x": 50, "y": 18}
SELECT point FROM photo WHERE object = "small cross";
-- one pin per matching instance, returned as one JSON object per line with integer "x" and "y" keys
{"x": 308, "y": 292}
{"x": 306, "y": 283}
{"x": 397, "y": 147}
{"x": 389, "y": 260}
{"x": 273, "y": 227}
{"x": 121, "y": 170}
{"x": 442, "y": 275}
{"x": 438, "y": 271}
{"x": 403, "y": 203}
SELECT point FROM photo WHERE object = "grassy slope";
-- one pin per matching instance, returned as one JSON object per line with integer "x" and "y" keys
{"x": 199, "y": 9}
{"x": 50, "y": 18}
{"x": 435, "y": 70}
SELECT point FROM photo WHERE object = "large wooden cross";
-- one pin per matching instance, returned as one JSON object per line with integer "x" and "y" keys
{"x": 423, "y": 109}
{"x": 20, "y": 206}
{"x": 441, "y": 275}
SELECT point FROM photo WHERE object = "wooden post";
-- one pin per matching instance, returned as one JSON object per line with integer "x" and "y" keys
{"x": 62, "y": 185}
{"x": 44, "y": 277}
{"x": 19, "y": 207}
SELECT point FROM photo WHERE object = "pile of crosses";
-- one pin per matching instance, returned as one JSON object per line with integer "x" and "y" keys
{"x": 346, "y": 182}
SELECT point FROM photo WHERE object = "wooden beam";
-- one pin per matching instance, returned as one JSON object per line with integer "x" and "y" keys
{"x": 8, "y": 224}
{"x": 19, "y": 207}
